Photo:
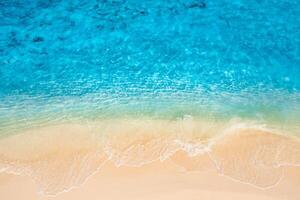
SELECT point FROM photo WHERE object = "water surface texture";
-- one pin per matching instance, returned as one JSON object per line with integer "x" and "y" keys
{"x": 202, "y": 52}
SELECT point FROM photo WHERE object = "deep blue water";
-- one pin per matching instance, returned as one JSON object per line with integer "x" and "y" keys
{"x": 224, "y": 55}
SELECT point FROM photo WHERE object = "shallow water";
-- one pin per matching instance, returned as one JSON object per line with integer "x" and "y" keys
{"x": 234, "y": 58}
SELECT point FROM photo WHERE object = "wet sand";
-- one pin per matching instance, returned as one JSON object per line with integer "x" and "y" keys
{"x": 155, "y": 181}
{"x": 132, "y": 161}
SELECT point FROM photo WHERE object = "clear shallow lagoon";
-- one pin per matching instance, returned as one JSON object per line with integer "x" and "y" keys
{"x": 235, "y": 58}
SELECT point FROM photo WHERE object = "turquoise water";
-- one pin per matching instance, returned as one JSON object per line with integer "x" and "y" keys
{"x": 89, "y": 59}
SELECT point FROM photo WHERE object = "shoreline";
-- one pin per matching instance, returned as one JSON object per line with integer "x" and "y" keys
{"x": 65, "y": 157}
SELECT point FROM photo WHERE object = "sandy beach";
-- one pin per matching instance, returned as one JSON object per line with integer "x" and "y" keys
{"x": 70, "y": 161}
{"x": 155, "y": 181}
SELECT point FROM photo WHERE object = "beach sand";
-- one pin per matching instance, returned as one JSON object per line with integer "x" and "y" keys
{"x": 70, "y": 161}
{"x": 155, "y": 181}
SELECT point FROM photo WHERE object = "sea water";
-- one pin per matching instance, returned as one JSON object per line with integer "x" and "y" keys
{"x": 235, "y": 57}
